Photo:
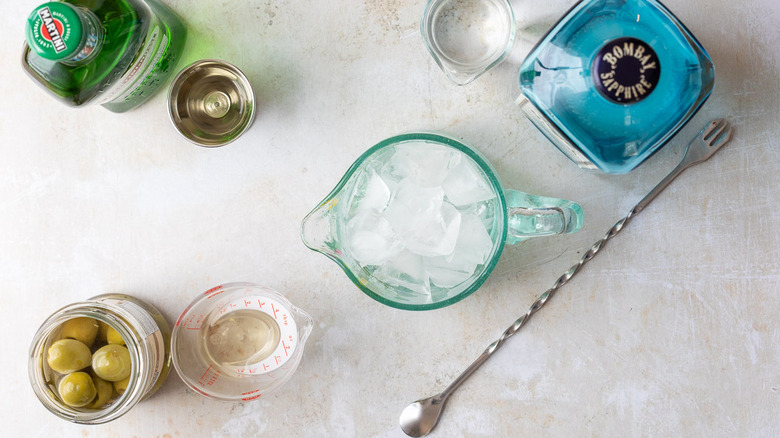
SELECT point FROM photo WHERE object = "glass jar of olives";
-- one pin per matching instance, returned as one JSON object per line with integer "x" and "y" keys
{"x": 92, "y": 361}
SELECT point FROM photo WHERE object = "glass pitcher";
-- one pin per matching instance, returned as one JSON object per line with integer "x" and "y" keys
{"x": 419, "y": 221}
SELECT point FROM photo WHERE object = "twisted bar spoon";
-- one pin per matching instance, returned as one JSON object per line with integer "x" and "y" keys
{"x": 419, "y": 418}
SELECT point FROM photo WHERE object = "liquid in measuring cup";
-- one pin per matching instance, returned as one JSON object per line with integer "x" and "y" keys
{"x": 239, "y": 341}
{"x": 240, "y": 337}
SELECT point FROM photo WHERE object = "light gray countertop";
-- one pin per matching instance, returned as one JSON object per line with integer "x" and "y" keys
{"x": 671, "y": 331}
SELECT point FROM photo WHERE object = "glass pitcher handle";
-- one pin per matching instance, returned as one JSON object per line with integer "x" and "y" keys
{"x": 534, "y": 216}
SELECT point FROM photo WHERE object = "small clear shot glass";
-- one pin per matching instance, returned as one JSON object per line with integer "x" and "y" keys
{"x": 468, "y": 37}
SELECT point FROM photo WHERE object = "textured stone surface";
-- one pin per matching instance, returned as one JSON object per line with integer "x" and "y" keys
{"x": 671, "y": 331}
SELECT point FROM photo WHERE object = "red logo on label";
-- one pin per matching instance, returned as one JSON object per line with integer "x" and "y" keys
{"x": 45, "y": 32}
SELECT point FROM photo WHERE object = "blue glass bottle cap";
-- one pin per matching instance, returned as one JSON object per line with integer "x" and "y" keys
{"x": 626, "y": 70}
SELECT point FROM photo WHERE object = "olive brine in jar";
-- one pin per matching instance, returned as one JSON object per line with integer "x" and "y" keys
{"x": 92, "y": 361}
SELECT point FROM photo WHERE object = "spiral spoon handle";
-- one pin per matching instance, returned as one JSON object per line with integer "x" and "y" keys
{"x": 703, "y": 146}
{"x": 419, "y": 418}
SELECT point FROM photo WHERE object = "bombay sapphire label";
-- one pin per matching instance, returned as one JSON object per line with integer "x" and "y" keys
{"x": 626, "y": 70}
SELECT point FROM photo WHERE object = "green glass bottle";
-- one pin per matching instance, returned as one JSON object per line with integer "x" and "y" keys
{"x": 116, "y": 53}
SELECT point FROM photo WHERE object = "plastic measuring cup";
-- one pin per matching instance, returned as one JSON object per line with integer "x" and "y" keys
{"x": 402, "y": 263}
{"x": 238, "y": 341}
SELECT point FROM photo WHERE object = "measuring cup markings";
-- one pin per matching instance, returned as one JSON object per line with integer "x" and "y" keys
{"x": 276, "y": 317}
{"x": 193, "y": 322}
{"x": 209, "y": 377}
{"x": 254, "y": 397}
{"x": 199, "y": 391}
{"x": 288, "y": 336}
{"x": 225, "y": 309}
{"x": 212, "y": 290}
{"x": 214, "y": 294}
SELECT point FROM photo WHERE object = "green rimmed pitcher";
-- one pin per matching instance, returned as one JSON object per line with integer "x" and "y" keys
{"x": 419, "y": 221}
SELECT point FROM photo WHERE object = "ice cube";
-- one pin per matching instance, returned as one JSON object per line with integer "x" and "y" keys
{"x": 473, "y": 248}
{"x": 390, "y": 179}
{"x": 427, "y": 164}
{"x": 370, "y": 238}
{"x": 370, "y": 192}
{"x": 466, "y": 184}
{"x": 435, "y": 235}
{"x": 410, "y": 202}
{"x": 485, "y": 210}
{"x": 445, "y": 274}
{"x": 405, "y": 269}
{"x": 427, "y": 225}
{"x": 474, "y": 244}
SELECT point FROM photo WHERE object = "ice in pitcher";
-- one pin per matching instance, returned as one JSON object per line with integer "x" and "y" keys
{"x": 420, "y": 217}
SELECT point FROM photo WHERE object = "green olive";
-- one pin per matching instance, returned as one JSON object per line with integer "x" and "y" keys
{"x": 68, "y": 355}
{"x": 102, "y": 330}
{"x": 121, "y": 386}
{"x": 104, "y": 392}
{"x": 110, "y": 335}
{"x": 113, "y": 337}
{"x": 81, "y": 329}
{"x": 77, "y": 389}
{"x": 112, "y": 362}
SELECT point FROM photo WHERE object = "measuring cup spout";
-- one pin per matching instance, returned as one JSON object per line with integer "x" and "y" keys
{"x": 317, "y": 230}
{"x": 533, "y": 216}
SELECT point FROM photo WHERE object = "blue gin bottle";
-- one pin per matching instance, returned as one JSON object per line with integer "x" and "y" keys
{"x": 613, "y": 81}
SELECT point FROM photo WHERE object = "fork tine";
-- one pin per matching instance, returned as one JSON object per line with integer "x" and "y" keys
{"x": 721, "y": 135}
{"x": 708, "y": 130}
{"x": 714, "y": 129}
{"x": 728, "y": 133}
